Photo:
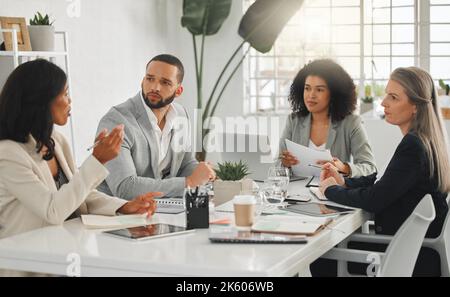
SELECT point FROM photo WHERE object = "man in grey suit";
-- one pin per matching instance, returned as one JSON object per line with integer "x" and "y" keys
{"x": 151, "y": 157}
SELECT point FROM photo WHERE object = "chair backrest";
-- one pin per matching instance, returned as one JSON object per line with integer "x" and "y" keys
{"x": 443, "y": 247}
{"x": 402, "y": 252}
{"x": 446, "y": 227}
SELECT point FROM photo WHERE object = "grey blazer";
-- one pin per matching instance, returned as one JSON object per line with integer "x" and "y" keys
{"x": 135, "y": 171}
{"x": 346, "y": 139}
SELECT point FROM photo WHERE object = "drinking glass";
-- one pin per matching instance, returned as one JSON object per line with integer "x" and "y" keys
{"x": 277, "y": 183}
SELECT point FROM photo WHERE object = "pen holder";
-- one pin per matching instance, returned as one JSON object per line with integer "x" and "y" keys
{"x": 197, "y": 209}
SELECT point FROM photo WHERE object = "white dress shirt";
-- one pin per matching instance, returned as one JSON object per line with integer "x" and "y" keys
{"x": 312, "y": 145}
{"x": 163, "y": 137}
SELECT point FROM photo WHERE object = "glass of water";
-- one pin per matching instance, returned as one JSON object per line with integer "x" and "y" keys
{"x": 278, "y": 182}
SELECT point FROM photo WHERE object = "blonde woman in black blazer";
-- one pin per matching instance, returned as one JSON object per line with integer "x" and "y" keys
{"x": 419, "y": 166}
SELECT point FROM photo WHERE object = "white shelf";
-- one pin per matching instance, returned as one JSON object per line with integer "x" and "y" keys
{"x": 32, "y": 54}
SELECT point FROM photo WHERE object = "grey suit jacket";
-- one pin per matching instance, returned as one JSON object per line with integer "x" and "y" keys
{"x": 135, "y": 171}
{"x": 346, "y": 139}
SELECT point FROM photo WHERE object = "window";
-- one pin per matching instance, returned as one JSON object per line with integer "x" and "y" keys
{"x": 368, "y": 38}
{"x": 439, "y": 39}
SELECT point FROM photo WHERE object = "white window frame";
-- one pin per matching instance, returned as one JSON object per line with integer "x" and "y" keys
{"x": 422, "y": 52}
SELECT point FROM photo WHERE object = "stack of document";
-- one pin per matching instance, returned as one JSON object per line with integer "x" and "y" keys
{"x": 110, "y": 222}
{"x": 290, "y": 225}
{"x": 307, "y": 157}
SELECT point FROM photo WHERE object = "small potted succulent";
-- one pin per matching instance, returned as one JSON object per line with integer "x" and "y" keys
{"x": 367, "y": 101}
{"x": 42, "y": 33}
{"x": 444, "y": 99}
{"x": 231, "y": 181}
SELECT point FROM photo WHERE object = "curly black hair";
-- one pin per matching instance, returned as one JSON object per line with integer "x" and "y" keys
{"x": 342, "y": 89}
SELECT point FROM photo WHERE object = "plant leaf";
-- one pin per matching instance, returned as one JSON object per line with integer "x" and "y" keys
{"x": 264, "y": 20}
{"x": 229, "y": 171}
{"x": 205, "y": 16}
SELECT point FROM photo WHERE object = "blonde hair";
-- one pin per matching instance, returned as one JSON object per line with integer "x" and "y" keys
{"x": 427, "y": 124}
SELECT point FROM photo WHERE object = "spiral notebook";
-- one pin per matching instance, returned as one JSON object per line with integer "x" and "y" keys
{"x": 169, "y": 205}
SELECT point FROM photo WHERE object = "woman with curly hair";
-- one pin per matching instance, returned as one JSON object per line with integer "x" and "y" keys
{"x": 323, "y": 99}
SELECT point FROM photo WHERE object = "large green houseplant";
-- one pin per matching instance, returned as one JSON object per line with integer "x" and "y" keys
{"x": 259, "y": 27}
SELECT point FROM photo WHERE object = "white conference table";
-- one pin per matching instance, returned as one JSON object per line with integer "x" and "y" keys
{"x": 46, "y": 250}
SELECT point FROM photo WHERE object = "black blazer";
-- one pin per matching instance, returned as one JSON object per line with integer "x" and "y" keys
{"x": 394, "y": 197}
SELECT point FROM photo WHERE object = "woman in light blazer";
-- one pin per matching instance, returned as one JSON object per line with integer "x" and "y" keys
{"x": 323, "y": 100}
{"x": 40, "y": 184}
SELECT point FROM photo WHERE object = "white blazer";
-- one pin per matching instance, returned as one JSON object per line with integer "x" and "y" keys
{"x": 28, "y": 195}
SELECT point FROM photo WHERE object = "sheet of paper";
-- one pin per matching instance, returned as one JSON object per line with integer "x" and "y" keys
{"x": 104, "y": 222}
{"x": 289, "y": 225}
{"x": 316, "y": 192}
{"x": 307, "y": 156}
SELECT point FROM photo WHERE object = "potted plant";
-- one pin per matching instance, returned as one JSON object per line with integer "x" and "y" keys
{"x": 231, "y": 181}
{"x": 444, "y": 99}
{"x": 42, "y": 33}
{"x": 367, "y": 101}
{"x": 259, "y": 27}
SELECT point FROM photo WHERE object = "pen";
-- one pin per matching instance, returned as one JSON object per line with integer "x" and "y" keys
{"x": 320, "y": 167}
{"x": 93, "y": 146}
{"x": 96, "y": 143}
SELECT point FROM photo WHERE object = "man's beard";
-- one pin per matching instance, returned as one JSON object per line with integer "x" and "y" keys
{"x": 162, "y": 103}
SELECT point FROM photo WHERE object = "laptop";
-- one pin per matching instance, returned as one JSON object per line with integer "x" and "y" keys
{"x": 252, "y": 149}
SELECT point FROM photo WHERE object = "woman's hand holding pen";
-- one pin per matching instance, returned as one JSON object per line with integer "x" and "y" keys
{"x": 288, "y": 160}
{"x": 107, "y": 146}
{"x": 330, "y": 171}
{"x": 330, "y": 176}
{"x": 341, "y": 167}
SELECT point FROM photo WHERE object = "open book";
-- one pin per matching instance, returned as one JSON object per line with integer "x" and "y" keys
{"x": 290, "y": 225}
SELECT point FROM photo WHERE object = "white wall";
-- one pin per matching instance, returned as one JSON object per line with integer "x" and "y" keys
{"x": 218, "y": 49}
{"x": 110, "y": 44}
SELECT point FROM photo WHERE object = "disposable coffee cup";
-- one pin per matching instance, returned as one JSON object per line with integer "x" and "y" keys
{"x": 244, "y": 210}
